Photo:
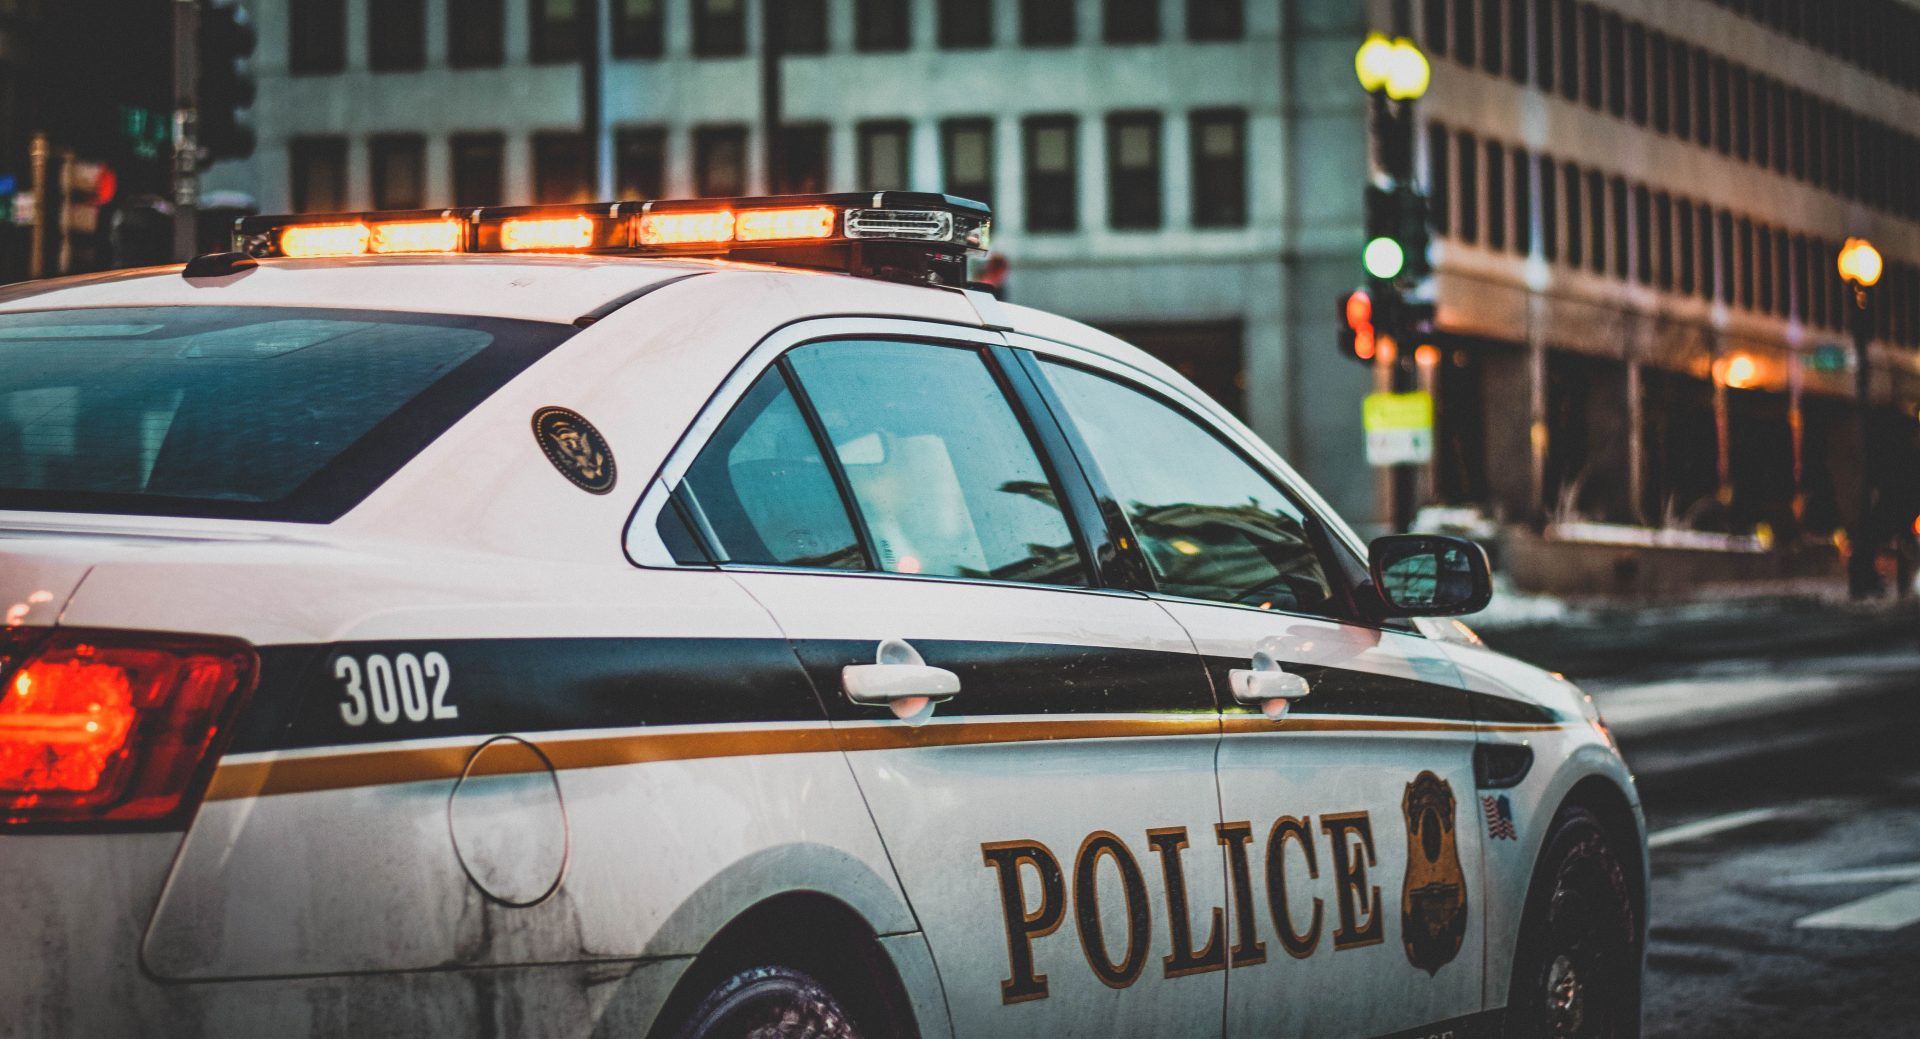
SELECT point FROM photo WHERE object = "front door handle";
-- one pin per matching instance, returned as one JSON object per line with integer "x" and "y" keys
{"x": 901, "y": 680}
{"x": 1266, "y": 686}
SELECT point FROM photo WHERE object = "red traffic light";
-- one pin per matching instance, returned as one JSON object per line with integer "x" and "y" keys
{"x": 1357, "y": 337}
{"x": 1359, "y": 309}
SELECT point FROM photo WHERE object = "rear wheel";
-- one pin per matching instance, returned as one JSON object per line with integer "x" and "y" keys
{"x": 1576, "y": 968}
{"x": 768, "y": 1003}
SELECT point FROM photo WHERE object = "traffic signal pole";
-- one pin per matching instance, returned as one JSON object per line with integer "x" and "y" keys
{"x": 186, "y": 128}
{"x": 1863, "y": 581}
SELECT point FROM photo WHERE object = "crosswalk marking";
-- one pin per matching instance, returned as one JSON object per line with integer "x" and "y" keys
{"x": 1886, "y": 911}
{"x": 1712, "y": 825}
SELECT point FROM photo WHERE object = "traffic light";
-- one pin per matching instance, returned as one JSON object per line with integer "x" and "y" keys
{"x": 226, "y": 86}
{"x": 1355, "y": 326}
{"x": 1397, "y": 236}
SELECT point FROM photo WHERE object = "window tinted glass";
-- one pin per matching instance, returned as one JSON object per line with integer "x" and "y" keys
{"x": 266, "y": 412}
{"x": 944, "y": 476}
{"x": 1212, "y": 526}
{"x": 763, "y": 490}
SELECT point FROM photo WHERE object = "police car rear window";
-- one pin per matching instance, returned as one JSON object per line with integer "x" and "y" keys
{"x": 249, "y": 412}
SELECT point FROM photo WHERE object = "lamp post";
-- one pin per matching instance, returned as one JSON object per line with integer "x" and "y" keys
{"x": 1860, "y": 266}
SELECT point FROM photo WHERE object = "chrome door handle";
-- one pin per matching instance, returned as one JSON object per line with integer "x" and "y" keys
{"x": 901, "y": 680}
{"x": 1266, "y": 686}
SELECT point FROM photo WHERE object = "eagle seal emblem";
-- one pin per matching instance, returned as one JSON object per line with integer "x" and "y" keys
{"x": 1433, "y": 901}
{"x": 575, "y": 448}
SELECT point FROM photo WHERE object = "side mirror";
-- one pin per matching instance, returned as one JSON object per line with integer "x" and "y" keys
{"x": 1428, "y": 575}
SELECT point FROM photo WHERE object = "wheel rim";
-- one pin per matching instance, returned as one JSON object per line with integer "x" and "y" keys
{"x": 1587, "y": 966}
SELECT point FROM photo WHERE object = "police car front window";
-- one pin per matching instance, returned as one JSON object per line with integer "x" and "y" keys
{"x": 944, "y": 476}
{"x": 1212, "y": 526}
{"x": 263, "y": 412}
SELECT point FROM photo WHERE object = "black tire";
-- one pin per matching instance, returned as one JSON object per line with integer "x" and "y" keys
{"x": 1576, "y": 966}
{"x": 768, "y": 1003}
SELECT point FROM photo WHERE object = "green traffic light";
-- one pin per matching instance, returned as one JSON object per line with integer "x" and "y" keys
{"x": 1384, "y": 258}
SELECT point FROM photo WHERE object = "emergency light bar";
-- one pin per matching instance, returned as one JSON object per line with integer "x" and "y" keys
{"x": 897, "y": 235}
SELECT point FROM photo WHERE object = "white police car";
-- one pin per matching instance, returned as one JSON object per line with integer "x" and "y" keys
{"x": 537, "y": 622}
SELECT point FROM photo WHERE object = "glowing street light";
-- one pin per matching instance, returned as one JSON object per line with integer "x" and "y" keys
{"x": 1860, "y": 263}
{"x": 1394, "y": 66}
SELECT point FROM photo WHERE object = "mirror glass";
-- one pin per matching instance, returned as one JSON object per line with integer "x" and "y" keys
{"x": 1426, "y": 574}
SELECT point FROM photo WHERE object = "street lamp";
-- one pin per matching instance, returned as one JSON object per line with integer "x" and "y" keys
{"x": 1860, "y": 266}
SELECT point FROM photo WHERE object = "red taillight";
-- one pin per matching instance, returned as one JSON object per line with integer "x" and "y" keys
{"x": 108, "y": 726}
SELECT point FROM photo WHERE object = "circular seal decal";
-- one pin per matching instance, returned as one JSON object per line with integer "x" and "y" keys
{"x": 575, "y": 448}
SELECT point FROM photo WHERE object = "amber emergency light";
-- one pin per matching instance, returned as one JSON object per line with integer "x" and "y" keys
{"x": 896, "y": 235}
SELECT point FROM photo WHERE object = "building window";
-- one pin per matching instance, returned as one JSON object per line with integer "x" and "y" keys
{"x": 1637, "y": 73}
{"x": 1133, "y": 170}
{"x": 1782, "y": 274}
{"x": 1643, "y": 234}
{"x": 1466, "y": 31}
{"x": 1496, "y": 196}
{"x": 639, "y": 29}
{"x": 1682, "y": 88}
{"x": 399, "y": 168}
{"x": 1616, "y": 64}
{"x": 1439, "y": 170}
{"x": 1576, "y": 228}
{"x": 397, "y": 35}
{"x": 1724, "y": 268}
{"x": 1517, "y": 39}
{"x": 1569, "y": 37}
{"x": 1130, "y": 21}
{"x": 1549, "y": 210}
{"x": 476, "y": 169}
{"x": 966, "y": 159}
{"x": 1492, "y": 17}
{"x": 1683, "y": 223}
{"x": 1705, "y": 218}
{"x": 640, "y": 162}
{"x": 1543, "y": 44}
{"x": 1219, "y": 167}
{"x": 1522, "y": 202}
{"x": 1722, "y": 106}
{"x": 1046, "y": 23}
{"x": 1663, "y": 243}
{"x": 560, "y": 171}
{"x": 1622, "y": 220}
{"x": 1739, "y": 92}
{"x": 882, "y": 155}
{"x": 317, "y": 36}
{"x": 880, "y": 25}
{"x": 1660, "y": 61}
{"x": 720, "y": 161}
{"x": 319, "y": 174}
{"x": 803, "y": 26}
{"x": 1763, "y": 269}
{"x": 1591, "y": 67}
{"x": 556, "y": 30}
{"x": 803, "y": 160}
{"x": 1597, "y": 222}
{"x": 1433, "y": 28}
{"x": 1053, "y": 196}
{"x": 1703, "y": 115}
{"x": 476, "y": 33}
{"x": 1743, "y": 261}
{"x": 1762, "y": 121}
{"x": 965, "y": 24}
{"x": 1211, "y": 19}
{"x": 1469, "y": 153}
{"x": 719, "y": 28}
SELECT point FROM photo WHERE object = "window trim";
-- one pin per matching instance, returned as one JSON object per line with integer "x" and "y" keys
{"x": 645, "y": 549}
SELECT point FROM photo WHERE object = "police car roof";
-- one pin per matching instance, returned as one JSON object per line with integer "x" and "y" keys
{"x": 535, "y": 287}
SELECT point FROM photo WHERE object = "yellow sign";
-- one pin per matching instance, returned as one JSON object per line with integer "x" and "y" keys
{"x": 1399, "y": 428}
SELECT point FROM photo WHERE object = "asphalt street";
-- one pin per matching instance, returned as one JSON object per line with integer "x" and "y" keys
{"x": 1783, "y": 799}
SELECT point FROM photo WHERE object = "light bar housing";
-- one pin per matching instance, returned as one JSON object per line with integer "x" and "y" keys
{"x": 907, "y": 236}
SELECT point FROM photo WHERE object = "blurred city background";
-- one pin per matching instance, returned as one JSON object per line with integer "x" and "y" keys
{"x": 1563, "y": 276}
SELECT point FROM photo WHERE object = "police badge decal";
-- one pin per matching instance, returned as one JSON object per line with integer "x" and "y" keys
{"x": 1433, "y": 902}
{"x": 575, "y": 448}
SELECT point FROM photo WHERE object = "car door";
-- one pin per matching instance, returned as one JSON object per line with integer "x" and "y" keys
{"x": 1037, "y": 750}
{"x": 1346, "y": 764}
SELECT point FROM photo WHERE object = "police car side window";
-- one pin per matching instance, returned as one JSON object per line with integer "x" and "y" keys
{"x": 762, "y": 490}
{"x": 944, "y": 476}
{"x": 1211, "y": 524}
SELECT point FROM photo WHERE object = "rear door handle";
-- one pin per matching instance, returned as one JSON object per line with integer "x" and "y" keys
{"x": 901, "y": 680}
{"x": 1266, "y": 686}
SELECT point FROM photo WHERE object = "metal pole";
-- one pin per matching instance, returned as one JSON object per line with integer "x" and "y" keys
{"x": 186, "y": 128}
{"x": 594, "y": 54}
{"x": 1862, "y": 581}
{"x": 64, "y": 265}
{"x": 37, "y": 258}
{"x": 770, "y": 99}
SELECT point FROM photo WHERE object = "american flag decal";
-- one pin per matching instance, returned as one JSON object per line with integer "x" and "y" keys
{"x": 1499, "y": 813}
